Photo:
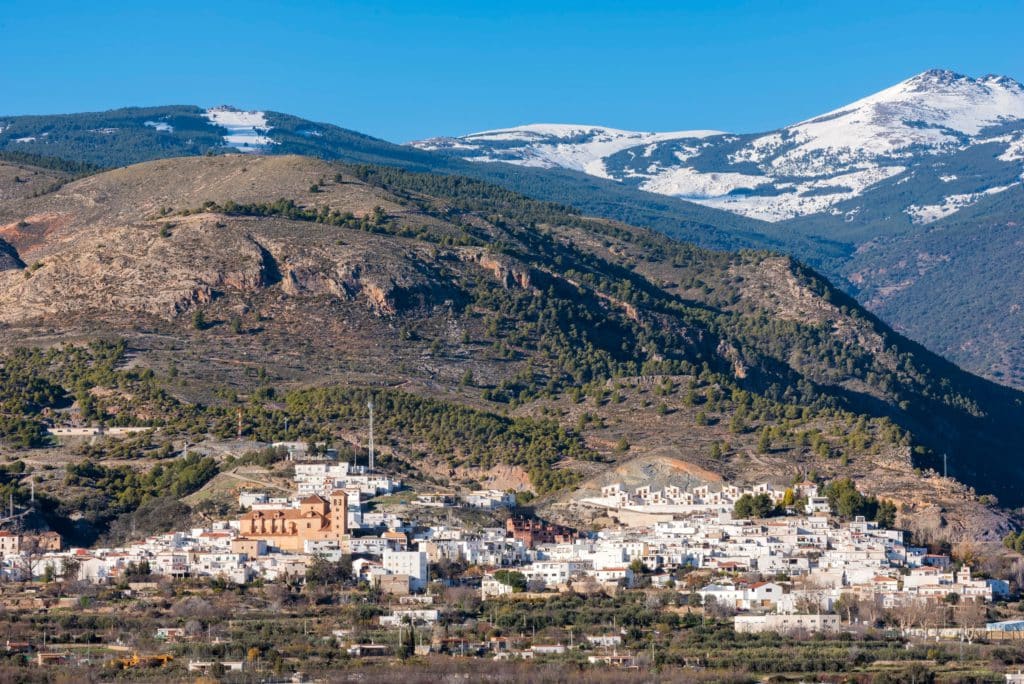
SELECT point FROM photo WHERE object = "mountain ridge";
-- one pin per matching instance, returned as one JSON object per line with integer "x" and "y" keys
{"x": 801, "y": 169}
{"x": 862, "y": 243}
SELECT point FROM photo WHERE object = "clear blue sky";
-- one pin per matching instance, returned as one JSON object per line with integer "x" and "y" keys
{"x": 407, "y": 70}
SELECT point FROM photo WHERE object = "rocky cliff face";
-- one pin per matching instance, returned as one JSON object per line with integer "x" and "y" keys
{"x": 116, "y": 271}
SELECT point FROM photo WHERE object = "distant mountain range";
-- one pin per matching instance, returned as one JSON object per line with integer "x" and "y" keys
{"x": 910, "y": 199}
{"x": 962, "y": 136}
{"x": 920, "y": 185}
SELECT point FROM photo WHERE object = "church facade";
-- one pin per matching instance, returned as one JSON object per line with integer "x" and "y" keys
{"x": 288, "y": 529}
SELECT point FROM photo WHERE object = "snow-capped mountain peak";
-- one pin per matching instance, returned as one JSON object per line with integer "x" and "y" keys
{"x": 820, "y": 165}
{"x": 931, "y": 101}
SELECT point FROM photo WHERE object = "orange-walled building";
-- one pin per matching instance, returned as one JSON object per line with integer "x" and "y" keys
{"x": 288, "y": 529}
{"x": 533, "y": 532}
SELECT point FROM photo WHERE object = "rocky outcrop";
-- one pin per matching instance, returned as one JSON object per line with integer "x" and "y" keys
{"x": 385, "y": 284}
{"x": 9, "y": 259}
{"x": 380, "y": 297}
{"x": 731, "y": 354}
{"x": 775, "y": 284}
{"x": 508, "y": 272}
{"x": 130, "y": 269}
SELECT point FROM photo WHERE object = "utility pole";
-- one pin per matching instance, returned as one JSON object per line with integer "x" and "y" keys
{"x": 369, "y": 405}
{"x": 945, "y": 469}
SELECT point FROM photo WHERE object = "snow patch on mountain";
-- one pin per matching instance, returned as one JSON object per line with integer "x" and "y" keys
{"x": 161, "y": 126}
{"x": 687, "y": 152}
{"x": 929, "y": 213}
{"x": 247, "y": 131}
{"x": 802, "y": 199}
{"x": 570, "y": 146}
{"x": 759, "y": 150}
{"x": 1014, "y": 151}
{"x": 690, "y": 183}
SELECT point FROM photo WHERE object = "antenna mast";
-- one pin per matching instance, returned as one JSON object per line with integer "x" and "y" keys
{"x": 369, "y": 405}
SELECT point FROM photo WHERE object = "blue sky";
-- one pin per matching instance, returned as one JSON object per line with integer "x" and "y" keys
{"x": 407, "y": 70}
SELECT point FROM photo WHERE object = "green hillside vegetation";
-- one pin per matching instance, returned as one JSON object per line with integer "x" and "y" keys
{"x": 69, "y": 166}
{"x": 420, "y": 427}
{"x": 959, "y": 290}
{"x": 920, "y": 391}
{"x": 102, "y": 493}
{"x": 114, "y": 138}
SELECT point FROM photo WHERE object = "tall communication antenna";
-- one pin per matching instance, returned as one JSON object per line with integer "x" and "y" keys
{"x": 369, "y": 405}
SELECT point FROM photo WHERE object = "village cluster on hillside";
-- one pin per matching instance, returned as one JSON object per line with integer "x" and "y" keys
{"x": 784, "y": 573}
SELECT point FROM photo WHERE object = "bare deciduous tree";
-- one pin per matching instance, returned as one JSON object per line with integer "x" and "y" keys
{"x": 912, "y": 612}
{"x": 970, "y": 613}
